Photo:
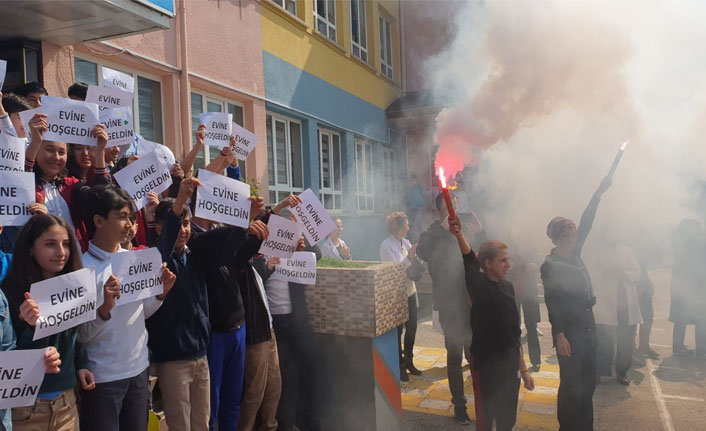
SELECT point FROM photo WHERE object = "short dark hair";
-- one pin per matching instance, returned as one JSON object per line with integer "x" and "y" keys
{"x": 28, "y": 88}
{"x": 160, "y": 213}
{"x": 439, "y": 201}
{"x": 104, "y": 199}
{"x": 14, "y": 103}
{"x": 78, "y": 90}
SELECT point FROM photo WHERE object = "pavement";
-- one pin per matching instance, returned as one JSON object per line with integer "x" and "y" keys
{"x": 668, "y": 394}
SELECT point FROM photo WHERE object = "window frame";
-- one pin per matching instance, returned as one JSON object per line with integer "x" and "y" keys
{"x": 386, "y": 61}
{"x": 283, "y": 3}
{"x": 335, "y": 173}
{"x": 324, "y": 19}
{"x": 213, "y": 98}
{"x": 135, "y": 73}
{"x": 362, "y": 29}
{"x": 366, "y": 176}
{"x": 289, "y": 188}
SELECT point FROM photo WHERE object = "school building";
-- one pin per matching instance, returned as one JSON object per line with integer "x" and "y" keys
{"x": 312, "y": 78}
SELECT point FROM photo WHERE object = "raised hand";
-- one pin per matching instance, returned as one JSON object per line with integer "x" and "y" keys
{"x": 37, "y": 208}
{"x": 272, "y": 262}
{"x": 259, "y": 229}
{"x": 288, "y": 202}
{"x": 168, "y": 279}
{"x": 38, "y": 126}
{"x": 100, "y": 133}
{"x": 200, "y": 134}
{"x": 257, "y": 207}
{"x": 111, "y": 292}
{"x": 151, "y": 206}
{"x": 29, "y": 310}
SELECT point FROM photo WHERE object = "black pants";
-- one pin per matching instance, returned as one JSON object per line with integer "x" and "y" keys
{"x": 410, "y": 328}
{"x": 535, "y": 351}
{"x": 577, "y": 384}
{"x": 121, "y": 405}
{"x": 679, "y": 333}
{"x": 647, "y": 311}
{"x": 496, "y": 387}
{"x": 614, "y": 342}
{"x": 457, "y": 339}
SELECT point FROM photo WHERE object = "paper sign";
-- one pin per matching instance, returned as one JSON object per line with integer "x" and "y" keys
{"x": 283, "y": 239}
{"x": 107, "y": 98}
{"x": 142, "y": 176}
{"x": 164, "y": 154}
{"x": 223, "y": 199}
{"x": 219, "y": 127}
{"x": 64, "y": 301}
{"x": 69, "y": 120}
{"x": 301, "y": 268}
{"x": 245, "y": 141}
{"x": 140, "y": 274}
{"x": 21, "y": 375}
{"x": 118, "y": 126}
{"x": 114, "y": 79}
{"x": 17, "y": 191}
{"x": 12, "y": 153}
{"x": 315, "y": 221}
{"x": 3, "y": 71}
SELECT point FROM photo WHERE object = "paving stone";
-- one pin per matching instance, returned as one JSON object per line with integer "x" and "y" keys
{"x": 542, "y": 409}
{"x": 435, "y": 404}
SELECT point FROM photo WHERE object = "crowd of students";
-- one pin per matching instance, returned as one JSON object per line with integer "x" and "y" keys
{"x": 209, "y": 338}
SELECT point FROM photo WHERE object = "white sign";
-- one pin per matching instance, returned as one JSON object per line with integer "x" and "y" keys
{"x": 245, "y": 141}
{"x": 118, "y": 126}
{"x": 140, "y": 274}
{"x": 283, "y": 239}
{"x": 17, "y": 191}
{"x": 223, "y": 199}
{"x": 21, "y": 375}
{"x": 301, "y": 268}
{"x": 114, "y": 79}
{"x": 142, "y": 176}
{"x": 12, "y": 153}
{"x": 107, "y": 98}
{"x": 3, "y": 71}
{"x": 164, "y": 154}
{"x": 316, "y": 222}
{"x": 69, "y": 120}
{"x": 219, "y": 127}
{"x": 64, "y": 301}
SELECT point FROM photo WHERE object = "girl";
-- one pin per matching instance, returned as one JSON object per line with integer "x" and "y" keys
{"x": 47, "y": 248}
{"x": 79, "y": 161}
{"x": 62, "y": 193}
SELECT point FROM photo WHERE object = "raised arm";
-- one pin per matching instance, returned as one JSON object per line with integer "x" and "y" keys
{"x": 589, "y": 215}
{"x": 188, "y": 163}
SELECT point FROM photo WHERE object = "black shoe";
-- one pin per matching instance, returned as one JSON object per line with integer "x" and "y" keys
{"x": 650, "y": 353}
{"x": 534, "y": 368}
{"x": 412, "y": 369}
{"x": 461, "y": 416}
{"x": 623, "y": 380}
{"x": 681, "y": 350}
{"x": 403, "y": 375}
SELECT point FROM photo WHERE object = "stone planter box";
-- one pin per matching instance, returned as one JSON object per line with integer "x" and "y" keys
{"x": 358, "y": 302}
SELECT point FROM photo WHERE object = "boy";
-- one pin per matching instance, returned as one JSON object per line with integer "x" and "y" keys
{"x": 116, "y": 342}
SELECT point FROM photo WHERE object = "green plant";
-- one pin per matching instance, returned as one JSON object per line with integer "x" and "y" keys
{"x": 327, "y": 262}
{"x": 255, "y": 187}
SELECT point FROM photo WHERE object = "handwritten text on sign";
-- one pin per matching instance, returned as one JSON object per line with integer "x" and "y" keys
{"x": 64, "y": 301}
{"x": 283, "y": 239}
{"x": 12, "y": 153}
{"x": 148, "y": 174}
{"x": 107, "y": 98}
{"x": 17, "y": 191}
{"x": 114, "y": 79}
{"x": 118, "y": 125}
{"x": 219, "y": 127}
{"x": 21, "y": 375}
{"x": 140, "y": 274}
{"x": 223, "y": 199}
{"x": 245, "y": 141}
{"x": 301, "y": 268}
{"x": 69, "y": 120}
{"x": 315, "y": 221}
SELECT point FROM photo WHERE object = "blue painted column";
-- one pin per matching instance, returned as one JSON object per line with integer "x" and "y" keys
{"x": 310, "y": 154}
{"x": 348, "y": 173}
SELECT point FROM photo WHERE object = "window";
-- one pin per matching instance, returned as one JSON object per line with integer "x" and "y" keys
{"x": 201, "y": 103}
{"x": 385, "y": 47}
{"x": 364, "y": 175}
{"x": 325, "y": 17}
{"x": 389, "y": 170}
{"x": 284, "y": 157}
{"x": 359, "y": 37}
{"x": 330, "y": 169}
{"x": 288, "y": 5}
{"x": 147, "y": 105}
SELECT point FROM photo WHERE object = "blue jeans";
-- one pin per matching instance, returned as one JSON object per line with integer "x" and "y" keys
{"x": 226, "y": 363}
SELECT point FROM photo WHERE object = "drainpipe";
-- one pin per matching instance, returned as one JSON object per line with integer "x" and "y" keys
{"x": 403, "y": 56}
{"x": 184, "y": 87}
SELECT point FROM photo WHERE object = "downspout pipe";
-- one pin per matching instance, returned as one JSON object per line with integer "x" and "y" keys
{"x": 184, "y": 87}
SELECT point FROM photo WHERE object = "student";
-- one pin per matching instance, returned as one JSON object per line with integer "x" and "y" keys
{"x": 33, "y": 92}
{"x": 179, "y": 330}
{"x": 334, "y": 246}
{"x": 61, "y": 193}
{"x": 46, "y": 248}
{"x": 10, "y": 109}
{"x": 79, "y": 161}
{"x": 111, "y": 157}
{"x": 116, "y": 344}
{"x": 496, "y": 351}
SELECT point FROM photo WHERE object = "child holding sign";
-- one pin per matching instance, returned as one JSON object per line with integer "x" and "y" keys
{"x": 179, "y": 330}
{"x": 117, "y": 348}
{"x": 62, "y": 194}
{"x": 46, "y": 248}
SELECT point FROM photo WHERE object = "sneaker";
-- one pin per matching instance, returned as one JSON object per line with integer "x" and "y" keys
{"x": 461, "y": 416}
